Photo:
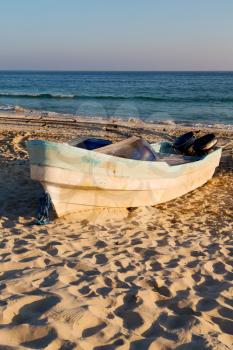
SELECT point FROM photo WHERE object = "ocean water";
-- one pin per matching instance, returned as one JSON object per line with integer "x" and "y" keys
{"x": 190, "y": 97}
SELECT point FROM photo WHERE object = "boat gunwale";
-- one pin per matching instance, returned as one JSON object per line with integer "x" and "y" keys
{"x": 106, "y": 157}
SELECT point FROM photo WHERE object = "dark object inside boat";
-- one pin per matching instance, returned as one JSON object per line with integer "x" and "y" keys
{"x": 188, "y": 144}
{"x": 204, "y": 144}
{"x": 90, "y": 143}
{"x": 184, "y": 142}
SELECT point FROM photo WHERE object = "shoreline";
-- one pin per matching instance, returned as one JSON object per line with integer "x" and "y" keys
{"x": 34, "y": 115}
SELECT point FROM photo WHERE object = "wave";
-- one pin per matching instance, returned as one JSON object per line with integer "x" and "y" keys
{"x": 46, "y": 96}
{"x": 6, "y": 108}
{"x": 178, "y": 99}
{"x": 76, "y": 97}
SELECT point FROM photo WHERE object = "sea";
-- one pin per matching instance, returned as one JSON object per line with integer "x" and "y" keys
{"x": 179, "y": 97}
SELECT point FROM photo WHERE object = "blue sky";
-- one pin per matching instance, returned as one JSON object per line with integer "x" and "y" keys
{"x": 116, "y": 34}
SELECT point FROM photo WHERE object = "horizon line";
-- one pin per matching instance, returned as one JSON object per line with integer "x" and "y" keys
{"x": 117, "y": 71}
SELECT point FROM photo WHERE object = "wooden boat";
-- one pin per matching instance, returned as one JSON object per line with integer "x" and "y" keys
{"x": 79, "y": 179}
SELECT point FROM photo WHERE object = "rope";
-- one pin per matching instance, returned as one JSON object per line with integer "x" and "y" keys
{"x": 43, "y": 210}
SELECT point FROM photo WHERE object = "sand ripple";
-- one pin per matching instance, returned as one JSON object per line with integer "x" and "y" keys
{"x": 160, "y": 278}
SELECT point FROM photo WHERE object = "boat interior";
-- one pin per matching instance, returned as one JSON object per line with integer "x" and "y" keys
{"x": 180, "y": 152}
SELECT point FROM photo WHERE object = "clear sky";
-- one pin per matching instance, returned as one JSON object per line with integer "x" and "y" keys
{"x": 116, "y": 34}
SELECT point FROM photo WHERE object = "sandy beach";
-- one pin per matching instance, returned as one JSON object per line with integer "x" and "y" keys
{"x": 155, "y": 278}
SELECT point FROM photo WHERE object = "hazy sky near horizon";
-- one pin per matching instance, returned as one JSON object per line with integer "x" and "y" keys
{"x": 116, "y": 34}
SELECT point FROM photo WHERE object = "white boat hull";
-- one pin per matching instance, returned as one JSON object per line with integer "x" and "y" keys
{"x": 91, "y": 180}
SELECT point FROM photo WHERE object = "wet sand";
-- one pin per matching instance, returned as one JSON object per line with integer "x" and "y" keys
{"x": 158, "y": 278}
